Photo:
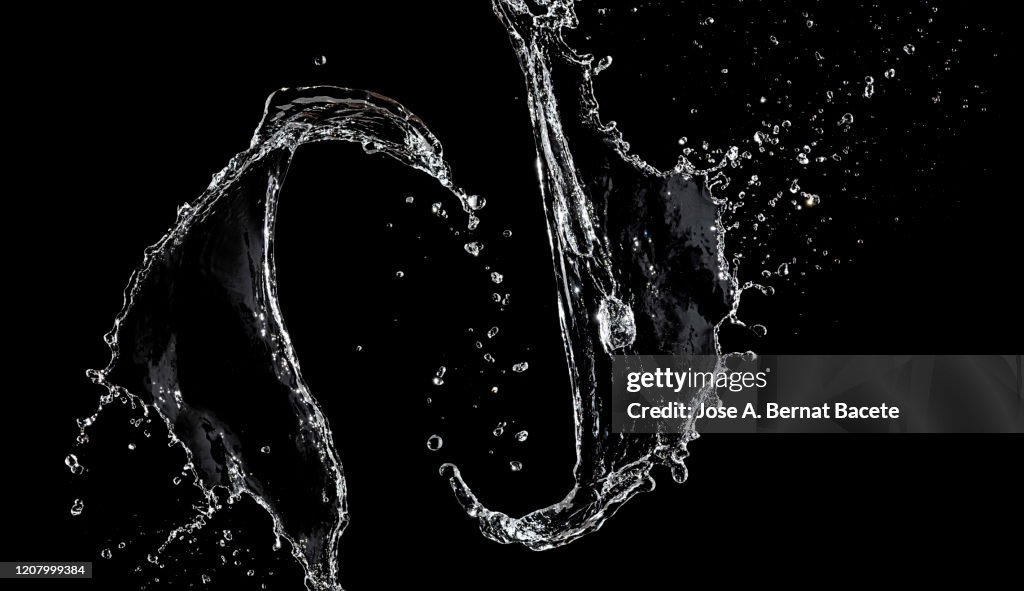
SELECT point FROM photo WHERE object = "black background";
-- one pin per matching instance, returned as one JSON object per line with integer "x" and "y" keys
{"x": 115, "y": 125}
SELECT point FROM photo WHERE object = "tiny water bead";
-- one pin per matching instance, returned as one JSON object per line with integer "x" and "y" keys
{"x": 522, "y": 436}
{"x": 320, "y": 60}
{"x": 493, "y": 332}
{"x": 499, "y": 430}
{"x": 434, "y": 442}
{"x": 473, "y": 248}
{"x": 72, "y": 463}
{"x": 106, "y": 553}
{"x": 497, "y": 277}
{"x": 520, "y": 367}
{"x": 515, "y": 466}
{"x": 77, "y": 507}
{"x": 438, "y": 378}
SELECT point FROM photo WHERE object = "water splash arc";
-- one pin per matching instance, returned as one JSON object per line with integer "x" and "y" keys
{"x": 637, "y": 256}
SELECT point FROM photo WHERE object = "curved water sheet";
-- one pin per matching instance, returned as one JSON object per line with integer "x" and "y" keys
{"x": 638, "y": 257}
{"x": 201, "y": 339}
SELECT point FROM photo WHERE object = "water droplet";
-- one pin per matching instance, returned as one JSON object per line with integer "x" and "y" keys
{"x": 759, "y": 330}
{"x": 520, "y": 367}
{"x": 515, "y": 466}
{"x": 890, "y": 73}
{"x": 602, "y": 64}
{"x": 131, "y": 446}
{"x": 475, "y": 202}
{"x": 77, "y": 507}
{"x": 320, "y": 60}
{"x": 497, "y": 277}
{"x": 909, "y": 49}
{"x": 493, "y": 332}
{"x": 473, "y": 248}
{"x": 439, "y": 211}
{"x": 434, "y": 442}
{"x": 399, "y": 274}
{"x": 72, "y": 463}
{"x": 410, "y": 199}
{"x": 507, "y": 233}
{"x": 106, "y": 553}
{"x": 846, "y": 119}
{"x": 265, "y": 449}
{"x": 499, "y": 430}
{"x": 521, "y": 436}
{"x": 227, "y": 534}
{"x": 802, "y": 158}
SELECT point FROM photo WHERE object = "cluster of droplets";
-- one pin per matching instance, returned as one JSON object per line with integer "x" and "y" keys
{"x": 777, "y": 181}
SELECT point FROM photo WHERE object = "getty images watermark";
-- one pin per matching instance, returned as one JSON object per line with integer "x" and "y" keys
{"x": 817, "y": 394}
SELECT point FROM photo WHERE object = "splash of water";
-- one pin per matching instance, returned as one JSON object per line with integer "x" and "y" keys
{"x": 202, "y": 373}
{"x": 639, "y": 266}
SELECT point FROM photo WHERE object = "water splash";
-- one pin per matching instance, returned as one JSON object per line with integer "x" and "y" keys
{"x": 639, "y": 265}
{"x": 620, "y": 231}
{"x": 202, "y": 373}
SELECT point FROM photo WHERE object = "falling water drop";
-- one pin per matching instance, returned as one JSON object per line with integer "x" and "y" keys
{"x": 72, "y": 463}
